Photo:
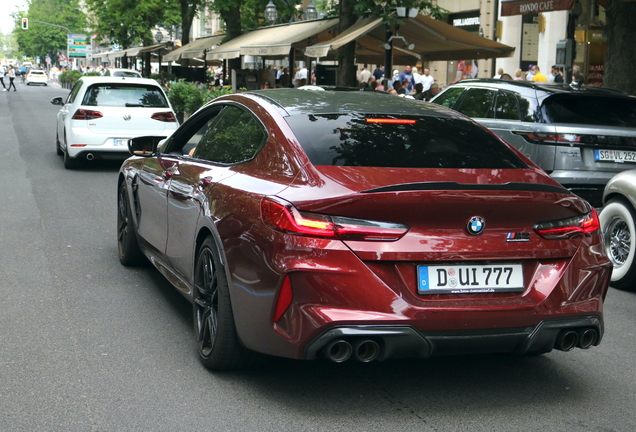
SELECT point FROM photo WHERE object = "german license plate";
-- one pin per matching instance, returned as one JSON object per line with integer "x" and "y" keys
{"x": 120, "y": 142}
{"x": 467, "y": 279}
{"x": 619, "y": 156}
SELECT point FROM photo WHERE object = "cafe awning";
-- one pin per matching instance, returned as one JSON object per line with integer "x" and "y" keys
{"x": 433, "y": 40}
{"x": 271, "y": 41}
{"x": 194, "y": 49}
{"x": 133, "y": 52}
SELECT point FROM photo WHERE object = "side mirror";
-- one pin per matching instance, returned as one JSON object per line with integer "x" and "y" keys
{"x": 145, "y": 146}
{"x": 57, "y": 101}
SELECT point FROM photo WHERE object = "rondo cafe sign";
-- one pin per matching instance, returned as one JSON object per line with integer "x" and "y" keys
{"x": 523, "y": 7}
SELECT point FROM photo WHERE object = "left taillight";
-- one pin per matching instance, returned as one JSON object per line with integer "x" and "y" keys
{"x": 283, "y": 216}
{"x": 585, "y": 224}
{"x": 164, "y": 116}
{"x": 82, "y": 114}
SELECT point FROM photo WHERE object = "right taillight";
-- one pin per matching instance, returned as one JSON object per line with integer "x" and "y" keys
{"x": 283, "y": 216}
{"x": 584, "y": 224}
{"x": 164, "y": 116}
{"x": 82, "y": 114}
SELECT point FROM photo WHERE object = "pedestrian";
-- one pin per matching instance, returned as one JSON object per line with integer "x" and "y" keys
{"x": 364, "y": 75}
{"x": 530, "y": 73}
{"x": 378, "y": 73}
{"x": 430, "y": 93}
{"x": 500, "y": 72}
{"x": 407, "y": 75}
{"x": 538, "y": 76}
{"x": 11, "y": 78}
{"x": 2, "y": 78}
{"x": 426, "y": 79}
{"x": 416, "y": 77}
{"x": 518, "y": 76}
{"x": 556, "y": 76}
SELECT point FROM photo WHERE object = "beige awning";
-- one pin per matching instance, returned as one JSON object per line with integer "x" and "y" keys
{"x": 133, "y": 52}
{"x": 271, "y": 41}
{"x": 433, "y": 40}
{"x": 194, "y": 49}
{"x": 363, "y": 26}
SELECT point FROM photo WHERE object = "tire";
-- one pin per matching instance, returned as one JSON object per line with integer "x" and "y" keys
{"x": 129, "y": 252}
{"x": 58, "y": 150}
{"x": 619, "y": 234}
{"x": 217, "y": 341}
{"x": 69, "y": 162}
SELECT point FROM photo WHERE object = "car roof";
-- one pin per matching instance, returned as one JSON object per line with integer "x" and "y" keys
{"x": 552, "y": 88}
{"x": 117, "y": 79}
{"x": 297, "y": 101}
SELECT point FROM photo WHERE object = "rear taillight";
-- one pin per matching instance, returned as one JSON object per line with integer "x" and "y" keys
{"x": 82, "y": 114}
{"x": 571, "y": 227}
{"x": 164, "y": 117}
{"x": 548, "y": 138}
{"x": 283, "y": 216}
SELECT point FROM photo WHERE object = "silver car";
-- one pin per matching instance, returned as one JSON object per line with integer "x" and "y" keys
{"x": 581, "y": 137}
{"x": 618, "y": 221}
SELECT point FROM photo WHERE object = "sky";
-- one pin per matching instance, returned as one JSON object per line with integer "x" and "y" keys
{"x": 9, "y": 6}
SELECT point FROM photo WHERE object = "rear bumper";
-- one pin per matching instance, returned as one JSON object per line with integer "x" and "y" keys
{"x": 397, "y": 341}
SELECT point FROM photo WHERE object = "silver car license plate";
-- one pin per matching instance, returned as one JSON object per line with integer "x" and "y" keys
{"x": 620, "y": 156}
{"x": 476, "y": 278}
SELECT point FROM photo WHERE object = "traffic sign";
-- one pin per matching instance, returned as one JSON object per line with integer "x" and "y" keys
{"x": 77, "y": 45}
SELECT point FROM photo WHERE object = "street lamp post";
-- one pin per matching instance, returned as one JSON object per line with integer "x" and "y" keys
{"x": 401, "y": 12}
{"x": 271, "y": 13}
{"x": 310, "y": 12}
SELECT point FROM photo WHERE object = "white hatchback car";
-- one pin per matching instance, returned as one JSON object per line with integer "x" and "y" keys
{"x": 100, "y": 114}
{"x": 36, "y": 76}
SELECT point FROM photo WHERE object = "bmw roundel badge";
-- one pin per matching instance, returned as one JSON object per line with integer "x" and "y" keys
{"x": 476, "y": 225}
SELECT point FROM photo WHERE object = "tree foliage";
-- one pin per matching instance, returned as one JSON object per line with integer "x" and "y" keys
{"x": 41, "y": 39}
{"x": 621, "y": 46}
{"x": 129, "y": 23}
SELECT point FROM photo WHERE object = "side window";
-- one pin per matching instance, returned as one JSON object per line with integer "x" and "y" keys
{"x": 529, "y": 109}
{"x": 449, "y": 97}
{"x": 478, "y": 103}
{"x": 507, "y": 106}
{"x": 185, "y": 140}
{"x": 73, "y": 94}
{"x": 236, "y": 137}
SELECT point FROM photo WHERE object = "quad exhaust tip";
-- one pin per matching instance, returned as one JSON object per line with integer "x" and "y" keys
{"x": 583, "y": 338}
{"x": 338, "y": 350}
{"x": 363, "y": 350}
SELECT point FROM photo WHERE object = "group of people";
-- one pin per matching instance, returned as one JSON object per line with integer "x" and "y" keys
{"x": 534, "y": 74}
{"x": 10, "y": 73}
{"x": 409, "y": 84}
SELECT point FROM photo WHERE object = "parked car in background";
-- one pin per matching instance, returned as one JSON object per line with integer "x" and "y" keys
{"x": 36, "y": 76}
{"x": 100, "y": 114}
{"x": 122, "y": 73}
{"x": 323, "y": 224}
{"x": 618, "y": 221}
{"x": 581, "y": 137}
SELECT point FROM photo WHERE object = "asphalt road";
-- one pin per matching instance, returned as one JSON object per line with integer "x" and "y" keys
{"x": 88, "y": 345}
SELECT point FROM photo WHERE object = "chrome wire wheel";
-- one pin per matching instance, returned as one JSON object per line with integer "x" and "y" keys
{"x": 206, "y": 302}
{"x": 618, "y": 221}
{"x": 618, "y": 241}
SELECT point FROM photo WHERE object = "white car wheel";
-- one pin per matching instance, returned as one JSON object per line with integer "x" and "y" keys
{"x": 619, "y": 232}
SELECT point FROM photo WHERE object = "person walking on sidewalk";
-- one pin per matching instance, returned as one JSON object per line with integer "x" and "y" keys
{"x": 11, "y": 75}
{"x": 2, "y": 78}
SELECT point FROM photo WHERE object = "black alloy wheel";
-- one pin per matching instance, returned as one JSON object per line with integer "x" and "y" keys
{"x": 129, "y": 252}
{"x": 217, "y": 341}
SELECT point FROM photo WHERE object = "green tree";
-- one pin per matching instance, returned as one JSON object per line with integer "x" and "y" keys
{"x": 620, "y": 58}
{"x": 41, "y": 39}
{"x": 128, "y": 23}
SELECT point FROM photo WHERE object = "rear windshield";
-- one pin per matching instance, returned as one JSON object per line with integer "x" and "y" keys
{"x": 591, "y": 110}
{"x": 419, "y": 142}
{"x": 130, "y": 95}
